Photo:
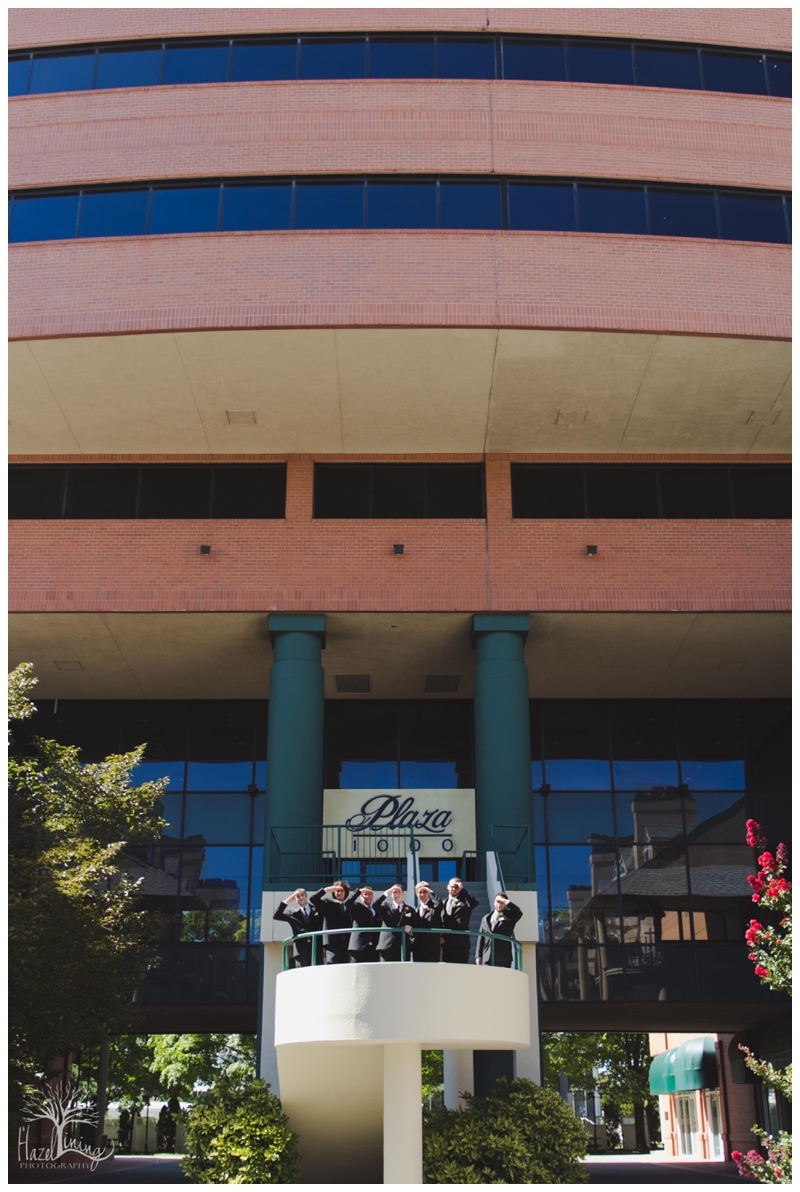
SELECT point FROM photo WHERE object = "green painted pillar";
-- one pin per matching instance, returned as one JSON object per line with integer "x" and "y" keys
{"x": 502, "y": 730}
{"x": 296, "y": 712}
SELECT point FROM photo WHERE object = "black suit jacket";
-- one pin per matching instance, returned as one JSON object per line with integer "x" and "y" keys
{"x": 503, "y": 952}
{"x": 336, "y": 915}
{"x": 393, "y": 916}
{"x": 300, "y": 923}
{"x": 458, "y": 920}
{"x": 364, "y": 916}
{"x": 427, "y": 916}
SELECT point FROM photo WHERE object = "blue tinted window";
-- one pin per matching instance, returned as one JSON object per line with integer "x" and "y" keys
{"x": 401, "y": 205}
{"x": 219, "y": 819}
{"x": 269, "y": 61}
{"x": 150, "y": 771}
{"x": 682, "y": 213}
{"x": 578, "y": 774}
{"x": 471, "y": 205}
{"x": 188, "y": 209}
{"x": 750, "y": 217}
{"x": 196, "y": 64}
{"x": 368, "y": 775}
{"x": 172, "y": 806}
{"x": 250, "y": 208}
{"x": 608, "y": 209}
{"x": 219, "y": 776}
{"x": 18, "y": 75}
{"x": 128, "y": 68}
{"x": 667, "y": 68}
{"x": 734, "y": 72}
{"x": 534, "y": 60}
{"x": 541, "y": 208}
{"x": 62, "y": 72}
{"x": 120, "y": 213}
{"x": 779, "y": 73}
{"x": 466, "y": 59}
{"x": 600, "y": 63}
{"x": 51, "y": 218}
{"x": 572, "y": 819}
{"x": 333, "y": 59}
{"x": 256, "y": 881}
{"x": 401, "y": 59}
{"x": 329, "y": 205}
{"x": 428, "y": 775}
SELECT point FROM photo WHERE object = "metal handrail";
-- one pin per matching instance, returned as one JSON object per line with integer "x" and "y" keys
{"x": 314, "y": 936}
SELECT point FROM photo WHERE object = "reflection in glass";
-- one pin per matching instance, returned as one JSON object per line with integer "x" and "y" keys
{"x": 149, "y": 771}
{"x": 128, "y": 68}
{"x": 534, "y": 60}
{"x": 219, "y": 818}
{"x": 329, "y": 205}
{"x": 255, "y": 894}
{"x": 611, "y": 209}
{"x": 333, "y": 59}
{"x": 466, "y": 59}
{"x": 643, "y": 744}
{"x": 428, "y": 775}
{"x": 779, "y": 71}
{"x": 361, "y": 746}
{"x": 435, "y": 744}
{"x": 470, "y": 205}
{"x": 401, "y": 59}
{"x": 18, "y": 75}
{"x": 654, "y": 814}
{"x": 196, "y": 64}
{"x": 269, "y": 61}
{"x": 653, "y": 883}
{"x": 583, "y": 892}
{"x": 667, "y": 68}
{"x": 185, "y": 209}
{"x": 218, "y": 975}
{"x": 751, "y": 217}
{"x": 214, "y": 885}
{"x": 574, "y": 818}
{"x": 62, "y": 72}
{"x": 711, "y": 744}
{"x": 51, "y": 218}
{"x": 576, "y": 744}
{"x": 401, "y": 205}
{"x": 256, "y": 208}
{"x": 599, "y": 63}
{"x": 171, "y": 810}
{"x": 119, "y": 213}
{"x": 368, "y": 775}
{"x": 541, "y": 208}
{"x": 219, "y": 776}
{"x": 682, "y": 213}
{"x": 743, "y": 73}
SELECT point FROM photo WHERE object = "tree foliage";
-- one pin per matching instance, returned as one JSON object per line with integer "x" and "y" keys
{"x": 238, "y": 1135}
{"x": 432, "y": 1073}
{"x": 78, "y": 936}
{"x": 519, "y": 1134}
{"x": 771, "y": 951}
{"x": 178, "y": 1065}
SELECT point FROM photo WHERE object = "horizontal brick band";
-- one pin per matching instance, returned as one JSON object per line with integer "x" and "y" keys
{"x": 766, "y": 28}
{"x": 378, "y": 127}
{"x": 402, "y": 279}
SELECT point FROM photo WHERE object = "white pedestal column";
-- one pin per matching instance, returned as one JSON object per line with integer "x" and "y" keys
{"x": 528, "y": 1062}
{"x": 402, "y": 1113}
{"x": 458, "y": 1078}
{"x": 268, "y": 1059}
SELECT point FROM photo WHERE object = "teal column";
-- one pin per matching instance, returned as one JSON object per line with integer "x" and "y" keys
{"x": 296, "y": 710}
{"x": 502, "y": 728}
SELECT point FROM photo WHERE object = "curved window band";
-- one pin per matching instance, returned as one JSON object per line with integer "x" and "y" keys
{"x": 511, "y": 204}
{"x": 400, "y": 56}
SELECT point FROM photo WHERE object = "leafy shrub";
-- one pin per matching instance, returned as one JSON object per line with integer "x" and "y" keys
{"x": 240, "y": 1136}
{"x": 519, "y": 1134}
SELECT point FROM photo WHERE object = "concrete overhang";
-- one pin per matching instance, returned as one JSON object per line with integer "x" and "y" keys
{"x": 398, "y": 390}
{"x": 569, "y": 655}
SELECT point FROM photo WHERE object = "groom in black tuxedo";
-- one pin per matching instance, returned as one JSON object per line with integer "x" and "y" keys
{"x": 302, "y": 918}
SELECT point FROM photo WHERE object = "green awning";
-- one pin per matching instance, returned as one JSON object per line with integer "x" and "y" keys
{"x": 682, "y": 1069}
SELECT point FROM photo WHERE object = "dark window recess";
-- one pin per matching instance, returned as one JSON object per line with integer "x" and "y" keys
{"x": 667, "y": 68}
{"x": 256, "y": 208}
{"x": 466, "y": 58}
{"x": 762, "y": 492}
{"x": 547, "y": 491}
{"x": 541, "y": 208}
{"x": 167, "y": 492}
{"x": 611, "y": 209}
{"x": 534, "y": 60}
{"x": 743, "y": 73}
{"x": 102, "y": 492}
{"x": 115, "y": 213}
{"x": 185, "y": 209}
{"x": 398, "y": 491}
{"x": 250, "y": 492}
{"x": 682, "y": 213}
{"x": 471, "y": 205}
{"x": 401, "y": 205}
{"x": 751, "y": 217}
{"x": 695, "y": 491}
{"x": 36, "y": 492}
{"x": 129, "y": 68}
{"x": 402, "y": 59}
{"x": 628, "y": 492}
{"x": 590, "y": 62}
{"x": 196, "y": 64}
{"x": 18, "y": 70}
{"x": 329, "y": 205}
{"x": 333, "y": 59}
{"x": 51, "y": 217}
{"x": 269, "y": 60}
{"x": 779, "y": 76}
{"x": 62, "y": 72}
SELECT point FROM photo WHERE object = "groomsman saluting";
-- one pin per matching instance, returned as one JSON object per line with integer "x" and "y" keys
{"x": 333, "y": 903}
{"x": 425, "y": 947}
{"x": 456, "y": 913}
{"x": 394, "y": 912}
{"x": 500, "y": 922}
{"x": 363, "y": 945}
{"x": 302, "y": 918}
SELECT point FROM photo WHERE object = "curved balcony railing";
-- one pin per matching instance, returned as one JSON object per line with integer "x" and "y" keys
{"x": 405, "y": 949}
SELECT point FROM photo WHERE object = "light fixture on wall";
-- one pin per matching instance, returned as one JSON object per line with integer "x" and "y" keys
{"x": 205, "y": 550}
{"x": 398, "y": 548}
{"x": 591, "y": 551}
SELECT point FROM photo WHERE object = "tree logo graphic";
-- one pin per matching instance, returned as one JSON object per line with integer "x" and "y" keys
{"x": 65, "y": 1107}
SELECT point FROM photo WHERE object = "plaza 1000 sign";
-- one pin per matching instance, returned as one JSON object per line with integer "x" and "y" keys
{"x": 379, "y": 823}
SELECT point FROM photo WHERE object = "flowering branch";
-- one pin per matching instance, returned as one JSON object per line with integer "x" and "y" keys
{"x": 771, "y": 947}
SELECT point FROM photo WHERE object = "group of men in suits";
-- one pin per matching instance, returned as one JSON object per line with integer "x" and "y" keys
{"x": 343, "y": 914}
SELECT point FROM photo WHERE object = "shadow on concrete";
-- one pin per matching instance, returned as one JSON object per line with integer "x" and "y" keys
{"x": 124, "y": 1169}
{"x": 659, "y": 1171}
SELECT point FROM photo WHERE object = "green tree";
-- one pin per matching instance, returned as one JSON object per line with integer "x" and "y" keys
{"x": 179, "y": 1065}
{"x": 432, "y": 1075}
{"x": 238, "y": 1135}
{"x": 519, "y": 1134}
{"x": 78, "y": 936}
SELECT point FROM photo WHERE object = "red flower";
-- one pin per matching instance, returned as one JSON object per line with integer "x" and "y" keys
{"x": 761, "y": 971}
{"x": 736, "y": 1156}
{"x": 755, "y": 837}
{"x": 766, "y": 861}
{"x": 782, "y": 854}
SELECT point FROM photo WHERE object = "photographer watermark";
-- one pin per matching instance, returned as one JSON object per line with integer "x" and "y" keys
{"x": 66, "y": 1108}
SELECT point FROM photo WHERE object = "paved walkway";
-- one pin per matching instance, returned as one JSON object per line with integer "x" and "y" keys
{"x": 654, "y": 1169}
{"x": 125, "y": 1169}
